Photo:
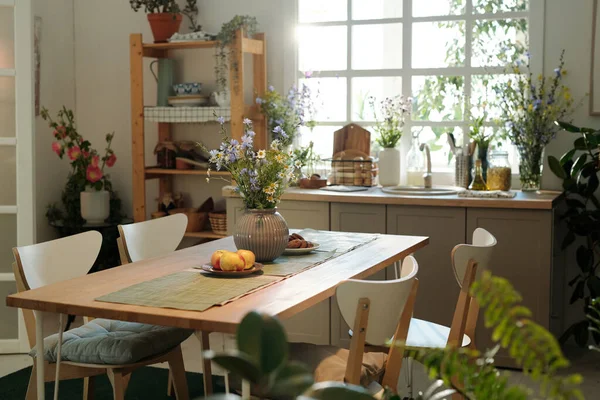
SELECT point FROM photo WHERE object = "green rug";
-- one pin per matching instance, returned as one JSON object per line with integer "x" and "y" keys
{"x": 146, "y": 383}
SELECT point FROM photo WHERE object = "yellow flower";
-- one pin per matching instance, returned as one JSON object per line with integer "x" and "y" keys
{"x": 273, "y": 186}
{"x": 279, "y": 158}
{"x": 567, "y": 95}
{"x": 268, "y": 191}
{"x": 563, "y": 72}
{"x": 530, "y": 108}
{"x": 270, "y": 199}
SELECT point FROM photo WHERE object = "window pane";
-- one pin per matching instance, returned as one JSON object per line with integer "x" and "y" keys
{"x": 438, "y": 44}
{"x": 377, "y": 87}
{"x": 499, "y": 42}
{"x": 8, "y": 176}
{"x": 322, "y": 48}
{"x": 7, "y": 38}
{"x": 377, "y": 46}
{"x": 495, "y": 6}
{"x": 319, "y": 10}
{"x": 8, "y": 238}
{"x": 437, "y": 98}
{"x": 329, "y": 95}
{"x": 438, "y": 7}
{"x": 376, "y": 9}
{"x": 483, "y": 95}
{"x": 7, "y": 106}
{"x": 322, "y": 137}
{"x": 436, "y": 138}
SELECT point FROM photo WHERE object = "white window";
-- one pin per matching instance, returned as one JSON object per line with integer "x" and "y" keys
{"x": 442, "y": 53}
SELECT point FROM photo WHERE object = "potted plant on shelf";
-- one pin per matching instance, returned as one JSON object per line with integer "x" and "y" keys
{"x": 393, "y": 112}
{"x": 286, "y": 115}
{"x": 165, "y": 16}
{"x": 261, "y": 177}
{"x": 87, "y": 168}
{"x": 529, "y": 108}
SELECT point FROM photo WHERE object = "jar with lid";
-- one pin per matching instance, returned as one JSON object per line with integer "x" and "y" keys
{"x": 415, "y": 163}
{"x": 499, "y": 171}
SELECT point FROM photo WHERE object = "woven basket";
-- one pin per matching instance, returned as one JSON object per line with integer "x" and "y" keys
{"x": 218, "y": 221}
{"x": 196, "y": 220}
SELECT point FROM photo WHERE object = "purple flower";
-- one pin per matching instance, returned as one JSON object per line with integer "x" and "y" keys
{"x": 308, "y": 74}
{"x": 259, "y": 101}
{"x": 246, "y": 142}
{"x": 221, "y": 120}
{"x": 234, "y": 142}
{"x": 537, "y": 104}
{"x": 271, "y": 88}
{"x": 250, "y": 134}
{"x": 247, "y": 122}
{"x": 557, "y": 72}
{"x": 243, "y": 171}
{"x": 278, "y": 129}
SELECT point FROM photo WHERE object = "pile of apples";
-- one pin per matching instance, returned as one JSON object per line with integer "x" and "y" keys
{"x": 224, "y": 260}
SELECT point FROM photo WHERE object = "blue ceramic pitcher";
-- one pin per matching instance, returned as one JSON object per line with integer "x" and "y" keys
{"x": 164, "y": 80}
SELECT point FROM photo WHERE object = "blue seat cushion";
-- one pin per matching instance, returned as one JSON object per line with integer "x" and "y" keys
{"x": 104, "y": 341}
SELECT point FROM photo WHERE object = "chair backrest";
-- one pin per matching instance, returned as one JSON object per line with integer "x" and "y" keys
{"x": 57, "y": 260}
{"x": 153, "y": 238}
{"x": 480, "y": 251}
{"x": 387, "y": 302}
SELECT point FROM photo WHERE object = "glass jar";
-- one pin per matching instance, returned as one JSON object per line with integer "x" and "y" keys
{"x": 499, "y": 171}
{"x": 415, "y": 163}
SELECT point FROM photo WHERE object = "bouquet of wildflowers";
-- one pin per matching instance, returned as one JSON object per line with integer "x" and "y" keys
{"x": 390, "y": 121}
{"x": 287, "y": 114}
{"x": 261, "y": 175}
{"x": 87, "y": 165}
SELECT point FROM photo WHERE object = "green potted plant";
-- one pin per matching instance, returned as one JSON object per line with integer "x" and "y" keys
{"x": 165, "y": 16}
{"x": 390, "y": 121}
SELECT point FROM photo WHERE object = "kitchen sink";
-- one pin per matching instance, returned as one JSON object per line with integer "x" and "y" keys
{"x": 420, "y": 190}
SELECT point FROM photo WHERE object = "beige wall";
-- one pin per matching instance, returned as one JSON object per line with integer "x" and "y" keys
{"x": 57, "y": 88}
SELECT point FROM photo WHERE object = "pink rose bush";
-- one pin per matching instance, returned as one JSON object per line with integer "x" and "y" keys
{"x": 87, "y": 165}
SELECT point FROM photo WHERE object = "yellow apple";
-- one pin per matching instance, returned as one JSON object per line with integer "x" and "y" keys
{"x": 232, "y": 262}
{"x": 216, "y": 258}
{"x": 249, "y": 257}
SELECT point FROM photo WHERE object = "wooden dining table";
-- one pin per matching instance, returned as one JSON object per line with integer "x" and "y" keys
{"x": 283, "y": 299}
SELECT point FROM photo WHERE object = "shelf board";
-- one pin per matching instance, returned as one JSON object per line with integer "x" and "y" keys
{"x": 204, "y": 235}
{"x": 197, "y": 44}
{"x": 152, "y": 171}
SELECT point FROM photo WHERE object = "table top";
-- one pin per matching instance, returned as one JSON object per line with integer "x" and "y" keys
{"x": 59, "y": 223}
{"x": 283, "y": 299}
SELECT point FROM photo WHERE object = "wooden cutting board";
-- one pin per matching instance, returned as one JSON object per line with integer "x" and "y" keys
{"x": 353, "y": 137}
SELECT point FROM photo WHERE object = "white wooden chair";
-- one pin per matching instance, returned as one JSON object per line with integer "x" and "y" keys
{"x": 148, "y": 239}
{"x": 67, "y": 258}
{"x": 468, "y": 262}
{"x": 377, "y": 311}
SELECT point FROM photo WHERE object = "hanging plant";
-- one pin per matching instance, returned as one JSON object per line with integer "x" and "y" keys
{"x": 226, "y": 37}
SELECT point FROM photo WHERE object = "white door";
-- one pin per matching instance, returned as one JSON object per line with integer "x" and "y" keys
{"x": 17, "y": 213}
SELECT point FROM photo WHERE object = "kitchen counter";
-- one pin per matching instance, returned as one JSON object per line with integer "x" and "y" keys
{"x": 544, "y": 200}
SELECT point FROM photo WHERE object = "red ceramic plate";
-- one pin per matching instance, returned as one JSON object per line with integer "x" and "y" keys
{"x": 208, "y": 268}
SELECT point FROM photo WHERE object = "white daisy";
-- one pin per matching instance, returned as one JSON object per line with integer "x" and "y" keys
{"x": 261, "y": 154}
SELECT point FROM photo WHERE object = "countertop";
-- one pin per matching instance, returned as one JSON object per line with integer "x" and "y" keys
{"x": 543, "y": 200}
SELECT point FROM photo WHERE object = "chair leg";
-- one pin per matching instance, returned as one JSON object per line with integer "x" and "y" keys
{"x": 177, "y": 370}
{"x": 88, "y": 388}
{"x": 409, "y": 377}
{"x": 32, "y": 388}
{"x": 170, "y": 384}
{"x": 119, "y": 383}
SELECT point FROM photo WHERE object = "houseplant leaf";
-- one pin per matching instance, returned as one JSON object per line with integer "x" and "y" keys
{"x": 236, "y": 362}
{"x": 556, "y": 168}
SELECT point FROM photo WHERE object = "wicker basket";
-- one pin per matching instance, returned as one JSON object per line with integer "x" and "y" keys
{"x": 196, "y": 220}
{"x": 218, "y": 221}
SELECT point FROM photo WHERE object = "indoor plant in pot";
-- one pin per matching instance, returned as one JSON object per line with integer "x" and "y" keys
{"x": 87, "y": 168}
{"x": 165, "y": 16}
{"x": 261, "y": 177}
{"x": 390, "y": 120}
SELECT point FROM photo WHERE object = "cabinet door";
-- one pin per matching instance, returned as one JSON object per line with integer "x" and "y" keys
{"x": 445, "y": 226}
{"x": 523, "y": 256}
{"x": 367, "y": 218}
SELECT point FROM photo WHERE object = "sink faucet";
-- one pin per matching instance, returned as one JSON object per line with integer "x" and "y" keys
{"x": 427, "y": 175}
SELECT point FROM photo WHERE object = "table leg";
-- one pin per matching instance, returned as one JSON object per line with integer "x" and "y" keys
{"x": 58, "y": 355}
{"x": 39, "y": 358}
{"x": 206, "y": 364}
{"x": 245, "y": 390}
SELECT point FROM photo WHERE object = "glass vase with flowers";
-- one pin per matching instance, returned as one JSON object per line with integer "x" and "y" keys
{"x": 261, "y": 177}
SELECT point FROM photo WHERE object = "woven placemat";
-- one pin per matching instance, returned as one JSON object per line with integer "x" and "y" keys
{"x": 289, "y": 265}
{"x": 340, "y": 242}
{"x": 188, "y": 290}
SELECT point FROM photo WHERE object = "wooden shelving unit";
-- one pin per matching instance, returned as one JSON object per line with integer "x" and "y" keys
{"x": 256, "y": 46}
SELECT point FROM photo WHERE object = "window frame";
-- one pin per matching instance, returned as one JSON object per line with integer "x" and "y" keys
{"x": 292, "y": 74}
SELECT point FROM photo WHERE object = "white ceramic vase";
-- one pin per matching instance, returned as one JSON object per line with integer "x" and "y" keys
{"x": 389, "y": 167}
{"x": 95, "y": 206}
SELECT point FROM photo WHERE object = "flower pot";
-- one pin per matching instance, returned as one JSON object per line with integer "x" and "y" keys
{"x": 164, "y": 25}
{"x": 389, "y": 167}
{"x": 95, "y": 206}
{"x": 263, "y": 232}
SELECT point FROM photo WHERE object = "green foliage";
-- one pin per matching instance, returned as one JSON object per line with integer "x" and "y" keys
{"x": 155, "y": 6}
{"x": 594, "y": 319}
{"x": 226, "y": 36}
{"x": 390, "y": 119}
{"x": 307, "y": 158}
{"x": 578, "y": 168}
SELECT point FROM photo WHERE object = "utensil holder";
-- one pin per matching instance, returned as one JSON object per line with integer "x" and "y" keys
{"x": 462, "y": 171}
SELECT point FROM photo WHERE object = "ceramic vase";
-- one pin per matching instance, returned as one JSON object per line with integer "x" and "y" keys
{"x": 531, "y": 164}
{"x": 263, "y": 232}
{"x": 389, "y": 167}
{"x": 95, "y": 206}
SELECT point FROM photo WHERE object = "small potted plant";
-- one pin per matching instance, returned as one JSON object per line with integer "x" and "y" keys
{"x": 390, "y": 121}
{"x": 165, "y": 16}
{"x": 87, "y": 168}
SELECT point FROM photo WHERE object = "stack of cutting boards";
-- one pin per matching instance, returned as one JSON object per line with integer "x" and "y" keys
{"x": 352, "y": 164}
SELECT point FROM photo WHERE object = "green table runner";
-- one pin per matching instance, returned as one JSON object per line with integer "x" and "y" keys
{"x": 188, "y": 290}
{"x": 340, "y": 242}
{"x": 288, "y": 265}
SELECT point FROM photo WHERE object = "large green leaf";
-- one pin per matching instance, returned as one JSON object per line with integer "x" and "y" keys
{"x": 338, "y": 391}
{"x": 568, "y": 127}
{"x": 579, "y": 163}
{"x": 593, "y": 284}
{"x": 556, "y": 168}
{"x": 584, "y": 258}
{"x": 578, "y": 292}
{"x": 581, "y": 333}
{"x": 567, "y": 156}
{"x": 263, "y": 338}
{"x": 236, "y": 362}
{"x": 580, "y": 144}
{"x": 292, "y": 380}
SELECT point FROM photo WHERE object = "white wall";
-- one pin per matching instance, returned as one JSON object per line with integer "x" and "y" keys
{"x": 57, "y": 88}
